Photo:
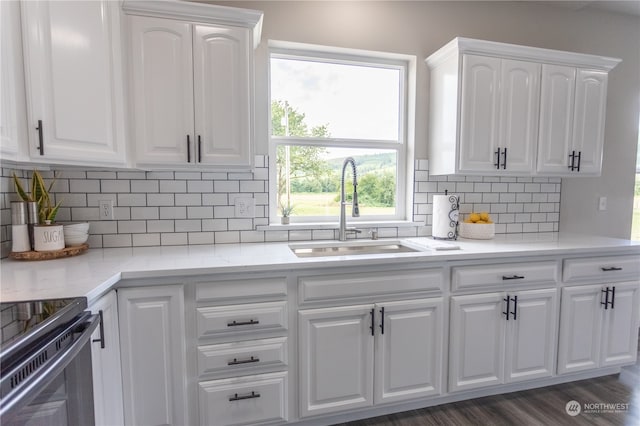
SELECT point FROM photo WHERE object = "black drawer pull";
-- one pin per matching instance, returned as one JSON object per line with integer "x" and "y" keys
{"x": 243, "y": 361}
{"x": 237, "y": 397}
{"x": 40, "y": 138}
{"x": 513, "y": 277}
{"x": 235, "y": 323}
{"x": 613, "y": 268}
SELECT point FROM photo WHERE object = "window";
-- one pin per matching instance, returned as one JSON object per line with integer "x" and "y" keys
{"x": 330, "y": 105}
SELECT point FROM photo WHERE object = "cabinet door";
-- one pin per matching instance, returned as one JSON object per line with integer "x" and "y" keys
{"x": 556, "y": 118}
{"x": 519, "y": 110}
{"x": 477, "y": 341}
{"x": 580, "y": 328}
{"x": 107, "y": 372}
{"x": 532, "y": 335}
{"x": 161, "y": 61}
{"x": 152, "y": 337}
{"x": 589, "y": 117}
{"x": 620, "y": 326}
{"x": 13, "y": 112}
{"x": 479, "y": 113}
{"x": 408, "y": 361}
{"x": 336, "y": 359}
{"x": 222, "y": 80}
{"x": 74, "y": 81}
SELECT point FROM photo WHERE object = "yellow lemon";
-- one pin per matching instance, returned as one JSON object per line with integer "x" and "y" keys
{"x": 484, "y": 216}
{"x": 474, "y": 217}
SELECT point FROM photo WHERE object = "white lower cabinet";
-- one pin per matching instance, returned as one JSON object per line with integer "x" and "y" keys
{"x": 244, "y": 400}
{"x": 357, "y": 356}
{"x": 152, "y": 338}
{"x": 598, "y": 326}
{"x": 502, "y": 337}
{"x": 105, "y": 357}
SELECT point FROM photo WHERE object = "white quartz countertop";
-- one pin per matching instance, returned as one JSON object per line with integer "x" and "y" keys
{"x": 92, "y": 274}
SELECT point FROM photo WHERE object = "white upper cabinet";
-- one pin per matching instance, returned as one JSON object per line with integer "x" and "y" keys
{"x": 74, "y": 82}
{"x": 161, "y": 59}
{"x": 572, "y": 118}
{"x": 498, "y": 115}
{"x": 501, "y": 109}
{"x": 13, "y": 125}
{"x": 192, "y": 85}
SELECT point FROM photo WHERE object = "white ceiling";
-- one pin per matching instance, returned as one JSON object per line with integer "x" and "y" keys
{"x": 627, "y": 7}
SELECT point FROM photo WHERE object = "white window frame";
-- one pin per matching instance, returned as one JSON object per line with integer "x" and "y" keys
{"x": 403, "y": 146}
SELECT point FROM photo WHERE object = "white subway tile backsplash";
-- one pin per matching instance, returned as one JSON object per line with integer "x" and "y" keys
{"x": 175, "y": 208}
{"x": 174, "y": 239}
{"x": 84, "y": 186}
{"x": 132, "y": 227}
{"x": 173, "y": 212}
{"x": 161, "y": 199}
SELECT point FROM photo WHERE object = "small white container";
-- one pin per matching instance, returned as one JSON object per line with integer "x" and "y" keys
{"x": 48, "y": 237}
{"x": 20, "y": 238}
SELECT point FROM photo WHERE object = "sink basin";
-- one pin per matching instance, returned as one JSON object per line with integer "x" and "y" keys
{"x": 350, "y": 248}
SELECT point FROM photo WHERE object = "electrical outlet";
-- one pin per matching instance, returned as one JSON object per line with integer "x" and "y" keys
{"x": 245, "y": 207}
{"x": 602, "y": 203}
{"x": 106, "y": 209}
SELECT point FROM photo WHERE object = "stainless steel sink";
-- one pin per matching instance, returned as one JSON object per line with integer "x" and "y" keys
{"x": 350, "y": 248}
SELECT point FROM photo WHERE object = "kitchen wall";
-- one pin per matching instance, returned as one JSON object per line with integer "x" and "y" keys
{"x": 176, "y": 208}
{"x": 421, "y": 27}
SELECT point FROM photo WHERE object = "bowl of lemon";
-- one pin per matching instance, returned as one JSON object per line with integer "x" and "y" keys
{"x": 477, "y": 226}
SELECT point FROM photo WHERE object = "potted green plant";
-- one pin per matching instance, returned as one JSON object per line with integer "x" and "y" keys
{"x": 286, "y": 212}
{"x": 39, "y": 193}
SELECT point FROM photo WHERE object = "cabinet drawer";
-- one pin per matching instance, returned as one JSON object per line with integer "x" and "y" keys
{"x": 246, "y": 318}
{"x": 225, "y": 290}
{"x": 236, "y": 357}
{"x": 502, "y": 275}
{"x": 601, "y": 269}
{"x": 245, "y": 400}
{"x": 345, "y": 286}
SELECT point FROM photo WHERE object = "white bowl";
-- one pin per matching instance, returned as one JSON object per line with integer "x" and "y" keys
{"x": 76, "y": 227}
{"x": 477, "y": 231}
{"x": 75, "y": 240}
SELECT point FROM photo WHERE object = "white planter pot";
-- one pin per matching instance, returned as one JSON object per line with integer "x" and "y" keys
{"x": 48, "y": 237}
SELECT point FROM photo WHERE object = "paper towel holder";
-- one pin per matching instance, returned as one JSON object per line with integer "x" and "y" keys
{"x": 453, "y": 216}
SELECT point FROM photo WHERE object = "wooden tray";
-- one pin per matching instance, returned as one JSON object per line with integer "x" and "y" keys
{"x": 48, "y": 255}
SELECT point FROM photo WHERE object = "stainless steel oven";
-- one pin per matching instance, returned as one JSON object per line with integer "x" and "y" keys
{"x": 45, "y": 363}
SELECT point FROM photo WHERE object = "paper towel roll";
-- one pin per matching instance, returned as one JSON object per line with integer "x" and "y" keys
{"x": 445, "y": 217}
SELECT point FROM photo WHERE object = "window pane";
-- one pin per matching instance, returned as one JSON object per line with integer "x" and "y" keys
{"x": 308, "y": 180}
{"x": 340, "y": 101}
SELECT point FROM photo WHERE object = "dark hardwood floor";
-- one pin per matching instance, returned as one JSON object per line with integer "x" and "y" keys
{"x": 544, "y": 407}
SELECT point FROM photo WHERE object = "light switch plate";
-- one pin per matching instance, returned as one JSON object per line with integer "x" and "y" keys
{"x": 245, "y": 207}
{"x": 602, "y": 203}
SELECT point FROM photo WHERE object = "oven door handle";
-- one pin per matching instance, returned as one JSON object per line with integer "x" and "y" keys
{"x": 25, "y": 391}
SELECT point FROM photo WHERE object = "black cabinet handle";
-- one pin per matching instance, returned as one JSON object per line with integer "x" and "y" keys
{"x": 237, "y": 397}
{"x": 40, "y": 138}
{"x": 199, "y": 149}
{"x": 235, "y": 323}
{"x": 243, "y": 361}
{"x": 513, "y": 277}
{"x": 497, "y": 163}
{"x": 372, "y": 327}
{"x": 515, "y": 308}
{"x": 612, "y": 268}
{"x": 188, "y": 149}
{"x": 506, "y": 313}
{"x": 504, "y": 159}
{"x": 382, "y": 320}
{"x": 613, "y": 296}
{"x": 606, "y": 298}
{"x": 573, "y": 160}
{"x": 101, "y": 325}
{"x": 579, "y": 160}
